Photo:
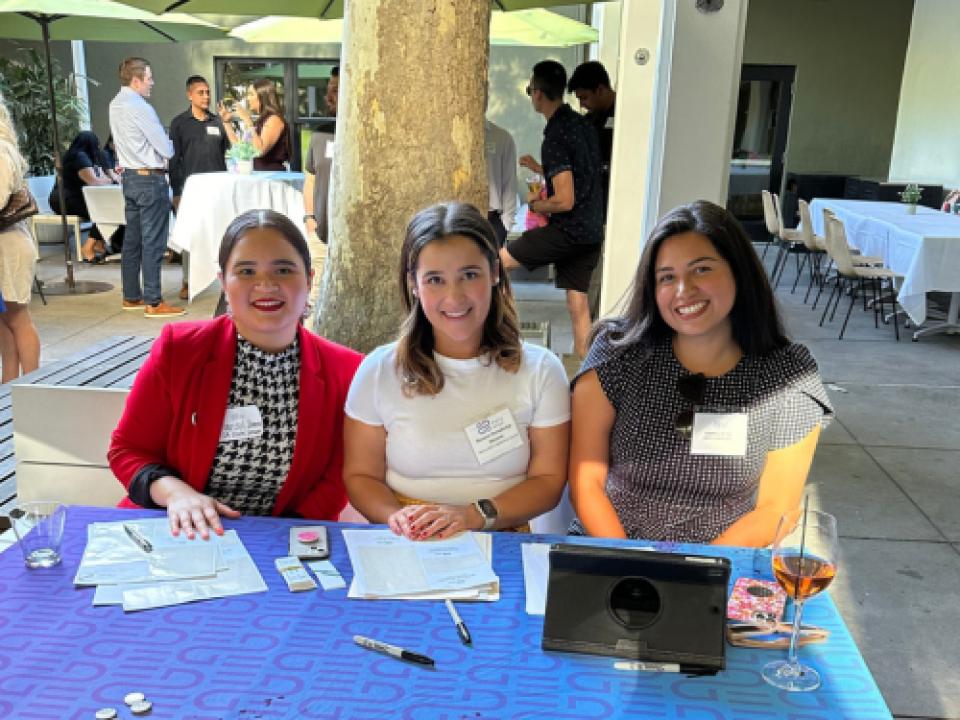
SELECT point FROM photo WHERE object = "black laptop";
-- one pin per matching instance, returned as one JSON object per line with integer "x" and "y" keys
{"x": 661, "y": 608}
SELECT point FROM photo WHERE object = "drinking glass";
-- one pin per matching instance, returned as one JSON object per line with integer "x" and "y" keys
{"x": 39, "y": 529}
{"x": 804, "y": 563}
{"x": 534, "y": 183}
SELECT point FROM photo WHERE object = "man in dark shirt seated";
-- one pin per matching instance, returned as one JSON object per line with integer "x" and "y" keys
{"x": 199, "y": 145}
{"x": 571, "y": 240}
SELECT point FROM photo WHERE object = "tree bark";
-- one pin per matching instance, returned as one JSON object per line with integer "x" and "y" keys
{"x": 409, "y": 134}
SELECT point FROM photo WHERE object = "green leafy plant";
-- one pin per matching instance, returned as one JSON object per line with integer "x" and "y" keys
{"x": 23, "y": 83}
{"x": 243, "y": 148}
{"x": 911, "y": 194}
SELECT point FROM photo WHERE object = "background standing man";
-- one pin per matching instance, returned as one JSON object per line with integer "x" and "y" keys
{"x": 591, "y": 84}
{"x": 571, "y": 169}
{"x": 143, "y": 150}
{"x": 199, "y": 144}
{"x": 501, "y": 154}
{"x": 316, "y": 185}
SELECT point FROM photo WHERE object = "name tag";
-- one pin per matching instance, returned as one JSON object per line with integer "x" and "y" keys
{"x": 491, "y": 148}
{"x": 719, "y": 434}
{"x": 494, "y": 436}
{"x": 329, "y": 150}
{"x": 213, "y": 130}
{"x": 609, "y": 124}
{"x": 242, "y": 423}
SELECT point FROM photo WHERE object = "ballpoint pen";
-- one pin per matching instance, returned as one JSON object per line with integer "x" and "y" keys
{"x": 138, "y": 538}
{"x": 392, "y": 650}
{"x": 458, "y": 621}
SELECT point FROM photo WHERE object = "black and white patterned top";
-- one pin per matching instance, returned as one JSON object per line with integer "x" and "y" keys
{"x": 247, "y": 474}
{"x": 658, "y": 489}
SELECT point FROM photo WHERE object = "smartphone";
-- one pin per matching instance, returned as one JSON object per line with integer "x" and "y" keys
{"x": 309, "y": 542}
{"x": 759, "y": 602}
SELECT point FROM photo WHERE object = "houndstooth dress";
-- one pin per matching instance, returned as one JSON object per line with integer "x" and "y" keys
{"x": 658, "y": 489}
{"x": 247, "y": 474}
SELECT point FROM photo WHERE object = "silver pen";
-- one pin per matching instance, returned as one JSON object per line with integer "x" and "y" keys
{"x": 138, "y": 538}
{"x": 458, "y": 621}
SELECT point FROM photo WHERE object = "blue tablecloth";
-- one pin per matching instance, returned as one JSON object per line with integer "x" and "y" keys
{"x": 285, "y": 655}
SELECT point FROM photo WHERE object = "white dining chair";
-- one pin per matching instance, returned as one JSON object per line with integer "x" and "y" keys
{"x": 40, "y": 187}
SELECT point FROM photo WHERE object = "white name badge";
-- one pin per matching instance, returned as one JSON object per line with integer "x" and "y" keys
{"x": 213, "y": 130}
{"x": 329, "y": 150}
{"x": 242, "y": 423}
{"x": 719, "y": 434}
{"x": 608, "y": 124}
{"x": 494, "y": 436}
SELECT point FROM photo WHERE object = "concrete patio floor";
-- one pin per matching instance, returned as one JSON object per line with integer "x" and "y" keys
{"x": 888, "y": 468}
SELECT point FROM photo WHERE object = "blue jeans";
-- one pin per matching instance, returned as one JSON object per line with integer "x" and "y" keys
{"x": 147, "y": 209}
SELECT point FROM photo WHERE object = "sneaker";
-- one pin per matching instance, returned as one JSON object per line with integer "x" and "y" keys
{"x": 162, "y": 310}
{"x": 133, "y": 305}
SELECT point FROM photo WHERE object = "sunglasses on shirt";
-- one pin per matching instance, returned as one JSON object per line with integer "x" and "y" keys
{"x": 692, "y": 388}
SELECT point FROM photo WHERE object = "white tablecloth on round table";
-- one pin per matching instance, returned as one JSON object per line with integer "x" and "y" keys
{"x": 210, "y": 201}
{"x": 924, "y": 248}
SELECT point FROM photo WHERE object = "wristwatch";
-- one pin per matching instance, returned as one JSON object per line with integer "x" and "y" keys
{"x": 309, "y": 216}
{"x": 488, "y": 511}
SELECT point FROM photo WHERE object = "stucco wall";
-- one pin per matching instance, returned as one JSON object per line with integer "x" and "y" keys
{"x": 850, "y": 57}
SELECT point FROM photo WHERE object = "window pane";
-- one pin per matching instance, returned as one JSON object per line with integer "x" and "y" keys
{"x": 312, "y": 79}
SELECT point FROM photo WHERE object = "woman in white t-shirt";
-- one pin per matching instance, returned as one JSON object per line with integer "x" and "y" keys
{"x": 458, "y": 425}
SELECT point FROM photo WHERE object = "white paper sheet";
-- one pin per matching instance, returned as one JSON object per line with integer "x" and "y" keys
{"x": 536, "y": 572}
{"x": 390, "y": 566}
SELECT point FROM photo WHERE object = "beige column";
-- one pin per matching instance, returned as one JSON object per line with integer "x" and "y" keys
{"x": 409, "y": 134}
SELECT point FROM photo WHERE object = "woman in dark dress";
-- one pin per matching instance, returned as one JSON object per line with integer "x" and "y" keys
{"x": 81, "y": 166}
{"x": 270, "y": 133}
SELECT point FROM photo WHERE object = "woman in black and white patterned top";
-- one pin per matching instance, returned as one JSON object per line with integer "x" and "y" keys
{"x": 694, "y": 418}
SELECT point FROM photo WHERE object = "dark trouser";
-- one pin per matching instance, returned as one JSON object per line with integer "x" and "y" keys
{"x": 498, "y": 227}
{"x": 147, "y": 209}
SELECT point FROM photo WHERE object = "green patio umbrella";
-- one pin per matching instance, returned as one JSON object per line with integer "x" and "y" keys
{"x": 48, "y": 20}
{"x": 324, "y": 9}
{"x": 534, "y": 27}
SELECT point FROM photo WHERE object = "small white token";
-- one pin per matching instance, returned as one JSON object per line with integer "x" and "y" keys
{"x": 141, "y": 708}
{"x": 134, "y": 697}
{"x": 106, "y": 714}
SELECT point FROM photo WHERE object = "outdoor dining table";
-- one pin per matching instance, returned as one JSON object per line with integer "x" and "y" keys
{"x": 923, "y": 247}
{"x": 291, "y": 655}
{"x": 210, "y": 201}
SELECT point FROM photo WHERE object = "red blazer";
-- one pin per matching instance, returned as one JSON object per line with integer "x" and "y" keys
{"x": 175, "y": 410}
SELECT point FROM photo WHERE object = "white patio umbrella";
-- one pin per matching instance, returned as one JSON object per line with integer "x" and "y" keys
{"x": 534, "y": 27}
{"x": 48, "y": 20}
{"x": 297, "y": 8}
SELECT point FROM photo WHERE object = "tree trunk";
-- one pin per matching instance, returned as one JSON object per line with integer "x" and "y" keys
{"x": 409, "y": 134}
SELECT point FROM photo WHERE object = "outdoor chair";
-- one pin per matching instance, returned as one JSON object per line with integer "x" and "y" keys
{"x": 40, "y": 187}
{"x": 854, "y": 277}
{"x": 858, "y": 259}
{"x": 789, "y": 241}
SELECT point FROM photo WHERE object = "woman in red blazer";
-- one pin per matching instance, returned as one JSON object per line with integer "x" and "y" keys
{"x": 244, "y": 413}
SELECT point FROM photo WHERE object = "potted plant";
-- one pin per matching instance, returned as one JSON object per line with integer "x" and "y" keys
{"x": 242, "y": 152}
{"x": 911, "y": 196}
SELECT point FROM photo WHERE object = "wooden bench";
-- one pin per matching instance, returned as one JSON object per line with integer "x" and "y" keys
{"x": 55, "y": 424}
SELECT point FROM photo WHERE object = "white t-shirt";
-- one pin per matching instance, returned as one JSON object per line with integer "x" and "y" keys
{"x": 429, "y": 456}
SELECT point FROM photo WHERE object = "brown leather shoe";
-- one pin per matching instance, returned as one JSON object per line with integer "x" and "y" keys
{"x": 133, "y": 305}
{"x": 185, "y": 292}
{"x": 162, "y": 310}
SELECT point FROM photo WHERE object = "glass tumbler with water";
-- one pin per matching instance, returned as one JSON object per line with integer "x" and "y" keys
{"x": 39, "y": 529}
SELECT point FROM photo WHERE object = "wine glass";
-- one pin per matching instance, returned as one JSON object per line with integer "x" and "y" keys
{"x": 804, "y": 563}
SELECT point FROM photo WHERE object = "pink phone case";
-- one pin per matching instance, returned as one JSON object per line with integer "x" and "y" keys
{"x": 756, "y": 601}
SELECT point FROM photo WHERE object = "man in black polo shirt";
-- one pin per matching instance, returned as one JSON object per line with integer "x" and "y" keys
{"x": 572, "y": 238}
{"x": 199, "y": 146}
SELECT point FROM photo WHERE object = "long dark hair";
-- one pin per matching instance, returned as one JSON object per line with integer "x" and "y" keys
{"x": 251, "y": 219}
{"x": 754, "y": 319}
{"x": 501, "y": 331}
{"x": 86, "y": 142}
{"x": 266, "y": 92}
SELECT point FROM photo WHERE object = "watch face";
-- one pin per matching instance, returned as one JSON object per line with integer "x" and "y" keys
{"x": 487, "y": 508}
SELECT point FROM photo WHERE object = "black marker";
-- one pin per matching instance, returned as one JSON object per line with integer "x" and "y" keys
{"x": 392, "y": 650}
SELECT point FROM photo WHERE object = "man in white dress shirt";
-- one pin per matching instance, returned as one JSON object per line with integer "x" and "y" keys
{"x": 143, "y": 150}
{"x": 501, "y": 154}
